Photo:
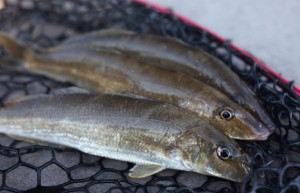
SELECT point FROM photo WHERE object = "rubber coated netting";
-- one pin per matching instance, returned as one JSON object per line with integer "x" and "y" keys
{"x": 32, "y": 168}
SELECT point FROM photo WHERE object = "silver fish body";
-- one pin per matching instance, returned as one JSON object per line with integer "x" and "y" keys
{"x": 149, "y": 133}
{"x": 188, "y": 59}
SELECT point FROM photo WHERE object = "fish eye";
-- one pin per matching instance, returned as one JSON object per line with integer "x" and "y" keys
{"x": 223, "y": 153}
{"x": 226, "y": 114}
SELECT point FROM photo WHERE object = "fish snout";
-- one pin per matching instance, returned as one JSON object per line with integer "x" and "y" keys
{"x": 271, "y": 127}
{"x": 265, "y": 119}
{"x": 241, "y": 170}
{"x": 253, "y": 129}
{"x": 263, "y": 132}
{"x": 256, "y": 109}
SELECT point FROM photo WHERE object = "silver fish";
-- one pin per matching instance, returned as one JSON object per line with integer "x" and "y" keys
{"x": 152, "y": 134}
{"x": 186, "y": 59}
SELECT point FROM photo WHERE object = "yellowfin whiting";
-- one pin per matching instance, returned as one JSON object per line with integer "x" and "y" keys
{"x": 186, "y": 59}
{"x": 152, "y": 134}
{"x": 110, "y": 71}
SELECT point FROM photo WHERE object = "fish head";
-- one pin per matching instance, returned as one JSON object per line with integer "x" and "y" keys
{"x": 208, "y": 151}
{"x": 226, "y": 161}
{"x": 236, "y": 122}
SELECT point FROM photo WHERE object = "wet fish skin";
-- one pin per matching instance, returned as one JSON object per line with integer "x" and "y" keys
{"x": 190, "y": 60}
{"x": 110, "y": 71}
{"x": 148, "y": 133}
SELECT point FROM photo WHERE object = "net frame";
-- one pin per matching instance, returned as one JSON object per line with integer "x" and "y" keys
{"x": 277, "y": 167}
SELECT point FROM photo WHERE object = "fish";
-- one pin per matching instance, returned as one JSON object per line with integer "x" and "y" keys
{"x": 153, "y": 135}
{"x": 110, "y": 71}
{"x": 186, "y": 59}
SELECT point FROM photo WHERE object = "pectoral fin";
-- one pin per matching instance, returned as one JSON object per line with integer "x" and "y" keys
{"x": 142, "y": 171}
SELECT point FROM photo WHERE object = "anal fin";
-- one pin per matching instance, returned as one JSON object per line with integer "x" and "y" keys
{"x": 142, "y": 171}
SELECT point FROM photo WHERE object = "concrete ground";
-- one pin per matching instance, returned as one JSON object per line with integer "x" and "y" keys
{"x": 269, "y": 29}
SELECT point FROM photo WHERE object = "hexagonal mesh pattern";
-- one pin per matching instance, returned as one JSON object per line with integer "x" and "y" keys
{"x": 33, "y": 168}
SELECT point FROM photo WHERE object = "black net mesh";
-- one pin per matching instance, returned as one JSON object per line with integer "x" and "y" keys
{"x": 32, "y": 168}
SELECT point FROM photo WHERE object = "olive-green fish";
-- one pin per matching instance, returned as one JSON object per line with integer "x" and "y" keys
{"x": 152, "y": 134}
{"x": 186, "y": 59}
{"x": 110, "y": 71}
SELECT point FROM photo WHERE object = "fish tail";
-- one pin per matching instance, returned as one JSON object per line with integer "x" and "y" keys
{"x": 12, "y": 48}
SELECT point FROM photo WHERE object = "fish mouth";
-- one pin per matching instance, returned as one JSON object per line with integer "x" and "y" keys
{"x": 271, "y": 127}
{"x": 268, "y": 123}
{"x": 264, "y": 134}
{"x": 237, "y": 174}
{"x": 236, "y": 177}
{"x": 258, "y": 133}
{"x": 262, "y": 116}
{"x": 266, "y": 130}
